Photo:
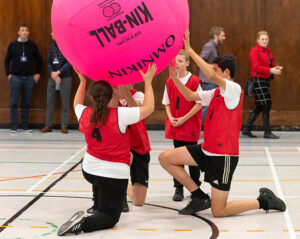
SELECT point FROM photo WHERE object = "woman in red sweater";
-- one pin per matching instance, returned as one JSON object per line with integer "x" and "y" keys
{"x": 262, "y": 72}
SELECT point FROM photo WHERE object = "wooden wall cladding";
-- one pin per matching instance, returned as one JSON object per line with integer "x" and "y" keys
{"x": 241, "y": 20}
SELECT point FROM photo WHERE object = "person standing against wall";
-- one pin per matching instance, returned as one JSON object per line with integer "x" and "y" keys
{"x": 209, "y": 53}
{"x": 263, "y": 71}
{"x": 60, "y": 81}
{"x": 18, "y": 65}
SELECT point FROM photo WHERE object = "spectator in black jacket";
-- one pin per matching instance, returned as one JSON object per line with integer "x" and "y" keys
{"x": 19, "y": 70}
{"x": 60, "y": 81}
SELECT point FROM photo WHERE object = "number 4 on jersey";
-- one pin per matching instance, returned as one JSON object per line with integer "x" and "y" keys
{"x": 96, "y": 134}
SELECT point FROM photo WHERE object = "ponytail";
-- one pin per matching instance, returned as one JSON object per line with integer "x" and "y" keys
{"x": 101, "y": 93}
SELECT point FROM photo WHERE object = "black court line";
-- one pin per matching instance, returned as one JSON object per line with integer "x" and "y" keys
{"x": 214, "y": 228}
{"x": 28, "y": 205}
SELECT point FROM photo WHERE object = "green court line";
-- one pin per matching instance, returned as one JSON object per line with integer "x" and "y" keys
{"x": 37, "y": 236}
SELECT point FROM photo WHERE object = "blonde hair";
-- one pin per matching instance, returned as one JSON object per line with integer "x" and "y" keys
{"x": 260, "y": 33}
{"x": 184, "y": 53}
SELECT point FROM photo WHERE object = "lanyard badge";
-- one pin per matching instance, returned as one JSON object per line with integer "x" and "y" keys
{"x": 23, "y": 58}
{"x": 55, "y": 61}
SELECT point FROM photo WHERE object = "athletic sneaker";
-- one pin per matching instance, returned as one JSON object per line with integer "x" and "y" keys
{"x": 178, "y": 195}
{"x": 271, "y": 201}
{"x": 74, "y": 225}
{"x": 91, "y": 210}
{"x": 13, "y": 131}
{"x": 125, "y": 206}
{"x": 195, "y": 205}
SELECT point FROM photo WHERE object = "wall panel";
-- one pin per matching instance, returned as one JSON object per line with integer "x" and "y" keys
{"x": 241, "y": 20}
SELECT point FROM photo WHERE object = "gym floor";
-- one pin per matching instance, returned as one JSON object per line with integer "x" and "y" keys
{"x": 41, "y": 186}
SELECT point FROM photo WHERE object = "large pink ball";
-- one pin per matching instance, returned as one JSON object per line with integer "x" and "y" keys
{"x": 113, "y": 39}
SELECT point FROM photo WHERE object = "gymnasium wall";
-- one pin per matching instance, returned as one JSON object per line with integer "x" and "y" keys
{"x": 241, "y": 20}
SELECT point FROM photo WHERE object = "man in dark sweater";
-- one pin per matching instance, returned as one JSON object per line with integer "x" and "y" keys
{"x": 19, "y": 70}
{"x": 60, "y": 81}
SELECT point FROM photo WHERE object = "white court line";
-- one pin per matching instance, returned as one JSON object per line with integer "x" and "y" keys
{"x": 279, "y": 191}
{"x": 55, "y": 170}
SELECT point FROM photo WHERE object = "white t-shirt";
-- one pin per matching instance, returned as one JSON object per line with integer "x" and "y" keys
{"x": 232, "y": 96}
{"x": 98, "y": 167}
{"x": 183, "y": 80}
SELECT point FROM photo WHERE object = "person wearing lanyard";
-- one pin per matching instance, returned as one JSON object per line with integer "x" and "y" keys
{"x": 60, "y": 81}
{"x": 19, "y": 70}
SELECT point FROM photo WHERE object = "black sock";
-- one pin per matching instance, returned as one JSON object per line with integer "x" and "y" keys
{"x": 198, "y": 193}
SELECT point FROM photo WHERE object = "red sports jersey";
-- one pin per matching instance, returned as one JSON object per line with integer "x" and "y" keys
{"x": 139, "y": 140}
{"x": 105, "y": 142}
{"x": 222, "y": 126}
{"x": 179, "y": 106}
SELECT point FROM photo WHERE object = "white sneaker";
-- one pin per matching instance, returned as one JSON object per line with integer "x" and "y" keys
{"x": 13, "y": 131}
{"x": 28, "y": 131}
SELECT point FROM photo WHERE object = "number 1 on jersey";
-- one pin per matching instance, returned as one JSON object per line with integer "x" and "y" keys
{"x": 96, "y": 134}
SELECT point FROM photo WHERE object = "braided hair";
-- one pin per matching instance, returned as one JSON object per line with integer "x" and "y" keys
{"x": 101, "y": 92}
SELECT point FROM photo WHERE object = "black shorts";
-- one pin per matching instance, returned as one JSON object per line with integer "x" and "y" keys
{"x": 218, "y": 169}
{"x": 139, "y": 169}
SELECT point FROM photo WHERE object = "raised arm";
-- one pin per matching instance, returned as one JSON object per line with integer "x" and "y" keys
{"x": 205, "y": 67}
{"x": 149, "y": 104}
{"x": 186, "y": 92}
{"x": 80, "y": 93}
{"x": 131, "y": 102}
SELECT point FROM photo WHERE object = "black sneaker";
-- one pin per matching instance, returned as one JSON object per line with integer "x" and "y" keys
{"x": 91, "y": 210}
{"x": 195, "y": 205}
{"x": 125, "y": 206}
{"x": 178, "y": 195}
{"x": 270, "y": 135}
{"x": 73, "y": 225}
{"x": 272, "y": 202}
{"x": 247, "y": 132}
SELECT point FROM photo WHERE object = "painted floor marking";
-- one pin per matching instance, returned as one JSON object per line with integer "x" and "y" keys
{"x": 55, "y": 170}
{"x": 279, "y": 191}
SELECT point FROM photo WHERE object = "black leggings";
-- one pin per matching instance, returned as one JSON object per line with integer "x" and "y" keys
{"x": 111, "y": 193}
{"x": 194, "y": 170}
{"x": 265, "y": 108}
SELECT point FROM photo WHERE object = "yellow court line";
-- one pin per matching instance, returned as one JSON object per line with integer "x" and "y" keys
{"x": 6, "y": 226}
{"x": 113, "y": 229}
{"x": 37, "y": 227}
{"x": 255, "y": 230}
{"x": 146, "y": 229}
{"x": 288, "y": 230}
{"x": 223, "y": 230}
{"x": 182, "y": 230}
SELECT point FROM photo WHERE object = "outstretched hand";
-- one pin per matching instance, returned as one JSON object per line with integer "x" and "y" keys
{"x": 172, "y": 70}
{"x": 148, "y": 76}
{"x": 186, "y": 41}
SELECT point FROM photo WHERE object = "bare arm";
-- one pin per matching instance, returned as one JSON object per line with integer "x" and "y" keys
{"x": 205, "y": 67}
{"x": 190, "y": 114}
{"x": 188, "y": 94}
{"x": 169, "y": 114}
{"x": 79, "y": 96}
{"x": 149, "y": 103}
{"x": 131, "y": 102}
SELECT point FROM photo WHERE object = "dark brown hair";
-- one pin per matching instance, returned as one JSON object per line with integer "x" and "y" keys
{"x": 22, "y": 25}
{"x": 101, "y": 92}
